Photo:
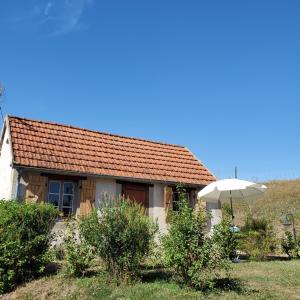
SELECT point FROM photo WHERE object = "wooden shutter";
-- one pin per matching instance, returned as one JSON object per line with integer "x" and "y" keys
{"x": 87, "y": 196}
{"x": 36, "y": 190}
{"x": 168, "y": 197}
{"x": 193, "y": 198}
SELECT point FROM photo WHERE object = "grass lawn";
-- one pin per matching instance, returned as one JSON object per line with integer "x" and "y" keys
{"x": 256, "y": 280}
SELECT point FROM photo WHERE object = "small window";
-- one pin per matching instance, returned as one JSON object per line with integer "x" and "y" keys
{"x": 176, "y": 200}
{"x": 68, "y": 197}
{"x": 54, "y": 193}
{"x": 61, "y": 195}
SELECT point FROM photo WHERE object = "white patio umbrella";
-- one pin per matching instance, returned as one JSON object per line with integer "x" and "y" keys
{"x": 231, "y": 189}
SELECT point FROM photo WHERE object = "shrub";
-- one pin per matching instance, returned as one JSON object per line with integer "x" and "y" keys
{"x": 290, "y": 246}
{"x": 196, "y": 257}
{"x": 24, "y": 240}
{"x": 257, "y": 238}
{"x": 121, "y": 235}
{"x": 77, "y": 253}
{"x": 256, "y": 224}
{"x": 224, "y": 235}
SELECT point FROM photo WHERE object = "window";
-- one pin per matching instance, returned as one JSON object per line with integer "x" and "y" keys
{"x": 68, "y": 197}
{"x": 176, "y": 200}
{"x": 61, "y": 195}
{"x": 54, "y": 193}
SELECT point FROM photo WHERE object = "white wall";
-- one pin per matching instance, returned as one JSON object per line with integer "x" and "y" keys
{"x": 216, "y": 214}
{"x": 156, "y": 206}
{"x": 8, "y": 175}
{"x": 106, "y": 189}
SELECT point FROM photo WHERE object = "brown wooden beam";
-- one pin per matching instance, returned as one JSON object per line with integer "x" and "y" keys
{"x": 134, "y": 182}
{"x": 63, "y": 177}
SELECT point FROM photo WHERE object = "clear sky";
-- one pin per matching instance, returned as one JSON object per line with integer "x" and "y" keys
{"x": 220, "y": 77}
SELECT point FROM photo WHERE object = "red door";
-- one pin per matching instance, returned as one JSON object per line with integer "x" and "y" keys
{"x": 138, "y": 193}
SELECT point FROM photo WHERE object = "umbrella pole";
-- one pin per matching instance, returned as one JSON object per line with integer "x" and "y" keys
{"x": 231, "y": 207}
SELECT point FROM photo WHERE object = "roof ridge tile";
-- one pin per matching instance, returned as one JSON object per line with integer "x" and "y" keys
{"x": 95, "y": 131}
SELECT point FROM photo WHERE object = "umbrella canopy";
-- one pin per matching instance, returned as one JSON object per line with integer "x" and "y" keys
{"x": 231, "y": 189}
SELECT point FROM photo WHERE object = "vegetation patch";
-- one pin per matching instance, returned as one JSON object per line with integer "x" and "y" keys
{"x": 121, "y": 235}
{"x": 257, "y": 238}
{"x": 251, "y": 280}
{"x": 113, "y": 254}
{"x": 196, "y": 257}
{"x": 24, "y": 241}
{"x": 281, "y": 197}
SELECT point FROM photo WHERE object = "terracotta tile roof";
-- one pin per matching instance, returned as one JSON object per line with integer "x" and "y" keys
{"x": 54, "y": 146}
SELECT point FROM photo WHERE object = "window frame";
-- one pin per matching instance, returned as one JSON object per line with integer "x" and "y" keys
{"x": 175, "y": 199}
{"x": 61, "y": 194}
{"x": 49, "y": 193}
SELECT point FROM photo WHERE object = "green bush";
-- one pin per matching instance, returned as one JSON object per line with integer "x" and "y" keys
{"x": 24, "y": 240}
{"x": 257, "y": 238}
{"x": 77, "y": 253}
{"x": 290, "y": 246}
{"x": 224, "y": 235}
{"x": 256, "y": 224}
{"x": 196, "y": 257}
{"x": 121, "y": 235}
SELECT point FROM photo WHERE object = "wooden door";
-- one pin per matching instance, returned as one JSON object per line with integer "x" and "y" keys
{"x": 138, "y": 193}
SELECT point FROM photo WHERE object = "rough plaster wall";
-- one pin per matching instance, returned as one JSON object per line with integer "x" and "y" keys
{"x": 156, "y": 206}
{"x": 106, "y": 189}
{"x": 58, "y": 233}
{"x": 7, "y": 174}
{"x": 118, "y": 190}
{"x": 14, "y": 180}
{"x": 151, "y": 201}
{"x": 22, "y": 187}
{"x": 216, "y": 214}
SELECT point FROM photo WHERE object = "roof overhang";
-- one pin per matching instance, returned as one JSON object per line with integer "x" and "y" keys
{"x": 21, "y": 168}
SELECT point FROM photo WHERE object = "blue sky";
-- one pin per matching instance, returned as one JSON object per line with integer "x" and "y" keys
{"x": 221, "y": 77}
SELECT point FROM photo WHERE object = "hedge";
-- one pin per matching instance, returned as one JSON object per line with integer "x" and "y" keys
{"x": 24, "y": 240}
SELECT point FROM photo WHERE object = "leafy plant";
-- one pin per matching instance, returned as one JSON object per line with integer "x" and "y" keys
{"x": 77, "y": 253}
{"x": 224, "y": 235}
{"x": 24, "y": 239}
{"x": 257, "y": 238}
{"x": 256, "y": 224}
{"x": 195, "y": 256}
{"x": 121, "y": 235}
{"x": 290, "y": 246}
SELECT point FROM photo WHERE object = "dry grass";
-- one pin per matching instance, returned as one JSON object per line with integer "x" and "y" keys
{"x": 281, "y": 197}
{"x": 45, "y": 288}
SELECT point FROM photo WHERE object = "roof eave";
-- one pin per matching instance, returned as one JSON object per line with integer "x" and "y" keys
{"x": 82, "y": 174}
